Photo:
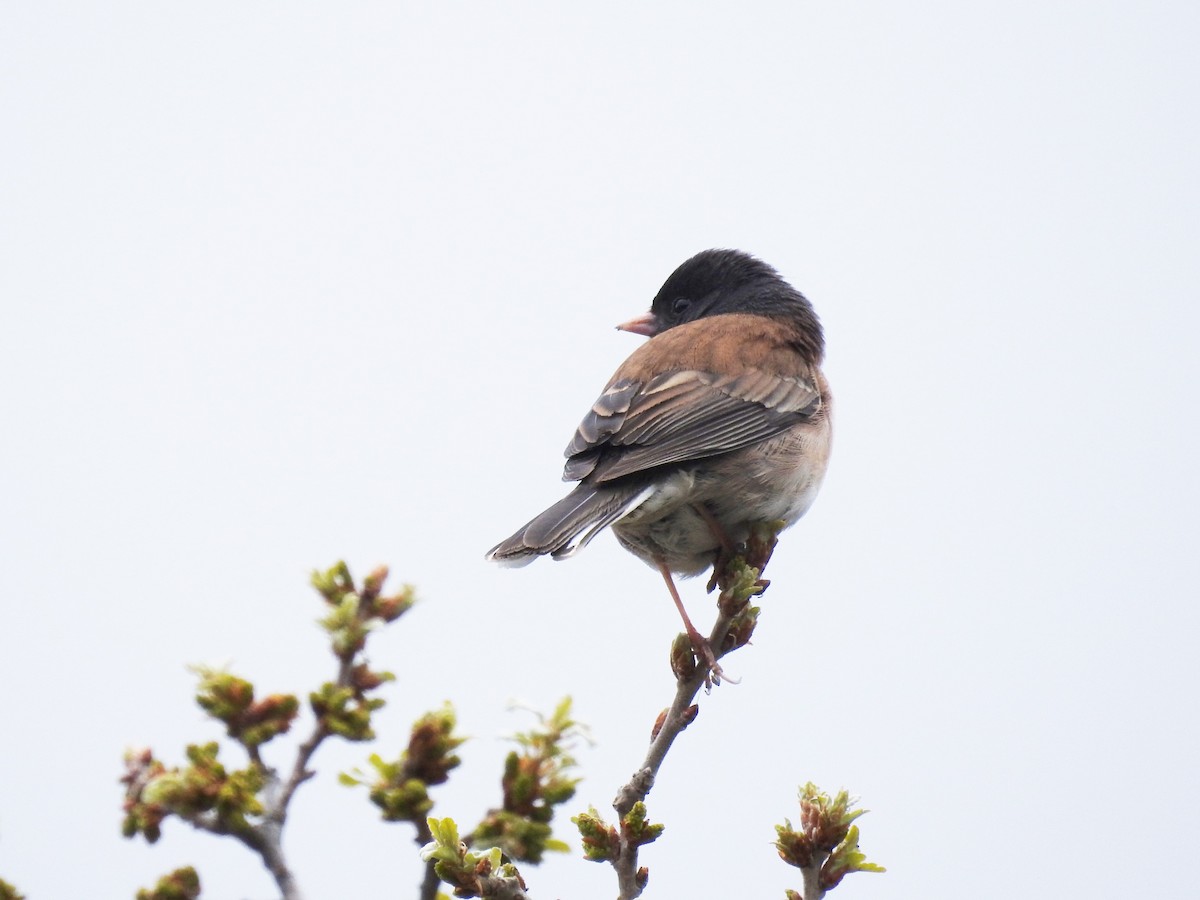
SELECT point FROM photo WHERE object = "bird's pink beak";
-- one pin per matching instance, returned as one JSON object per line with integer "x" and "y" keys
{"x": 646, "y": 323}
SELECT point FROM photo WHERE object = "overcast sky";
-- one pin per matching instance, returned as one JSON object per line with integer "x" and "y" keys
{"x": 289, "y": 283}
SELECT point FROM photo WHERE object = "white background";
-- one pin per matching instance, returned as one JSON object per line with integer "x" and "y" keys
{"x": 284, "y": 283}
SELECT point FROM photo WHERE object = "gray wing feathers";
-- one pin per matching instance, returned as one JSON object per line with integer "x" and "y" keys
{"x": 605, "y": 416}
{"x": 684, "y": 415}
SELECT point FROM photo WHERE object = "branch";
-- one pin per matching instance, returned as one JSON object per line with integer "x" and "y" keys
{"x": 277, "y": 810}
{"x": 739, "y": 581}
{"x": 251, "y": 804}
{"x": 265, "y": 840}
{"x": 348, "y": 623}
{"x": 678, "y": 716}
{"x": 430, "y": 881}
{"x": 812, "y": 883}
{"x": 630, "y": 879}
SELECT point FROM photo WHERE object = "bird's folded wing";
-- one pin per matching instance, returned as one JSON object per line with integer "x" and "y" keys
{"x": 686, "y": 415}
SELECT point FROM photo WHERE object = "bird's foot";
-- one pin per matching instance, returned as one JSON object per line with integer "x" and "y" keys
{"x": 713, "y": 673}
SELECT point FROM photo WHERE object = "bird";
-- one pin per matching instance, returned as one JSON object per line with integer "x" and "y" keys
{"x": 721, "y": 420}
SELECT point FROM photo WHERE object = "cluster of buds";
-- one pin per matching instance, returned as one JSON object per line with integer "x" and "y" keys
{"x": 826, "y": 844}
{"x": 401, "y": 789}
{"x": 203, "y": 792}
{"x": 602, "y": 842}
{"x": 536, "y": 779}
{"x": 354, "y": 613}
{"x": 250, "y": 722}
{"x": 343, "y": 707}
{"x": 471, "y": 874}
{"x": 182, "y": 884}
{"x": 141, "y": 817}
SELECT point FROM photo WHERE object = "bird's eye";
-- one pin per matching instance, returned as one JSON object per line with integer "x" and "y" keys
{"x": 680, "y": 306}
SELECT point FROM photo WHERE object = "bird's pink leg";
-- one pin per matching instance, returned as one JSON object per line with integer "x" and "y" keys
{"x": 699, "y": 642}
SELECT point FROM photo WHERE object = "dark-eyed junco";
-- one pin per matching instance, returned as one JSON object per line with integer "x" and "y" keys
{"x": 718, "y": 422}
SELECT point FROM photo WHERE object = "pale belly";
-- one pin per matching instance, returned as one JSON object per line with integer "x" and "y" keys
{"x": 777, "y": 480}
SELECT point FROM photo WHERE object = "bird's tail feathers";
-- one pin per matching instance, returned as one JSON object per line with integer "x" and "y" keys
{"x": 570, "y": 524}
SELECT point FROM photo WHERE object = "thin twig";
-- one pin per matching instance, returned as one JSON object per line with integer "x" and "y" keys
{"x": 300, "y": 771}
{"x": 812, "y": 883}
{"x": 277, "y": 811}
{"x": 266, "y": 838}
{"x": 263, "y": 839}
{"x": 675, "y": 721}
{"x": 430, "y": 882}
{"x": 680, "y": 714}
{"x": 678, "y": 717}
{"x": 495, "y": 887}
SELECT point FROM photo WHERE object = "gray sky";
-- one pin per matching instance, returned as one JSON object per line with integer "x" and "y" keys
{"x": 284, "y": 283}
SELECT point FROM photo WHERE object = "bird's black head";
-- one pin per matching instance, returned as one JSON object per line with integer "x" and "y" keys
{"x": 716, "y": 282}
